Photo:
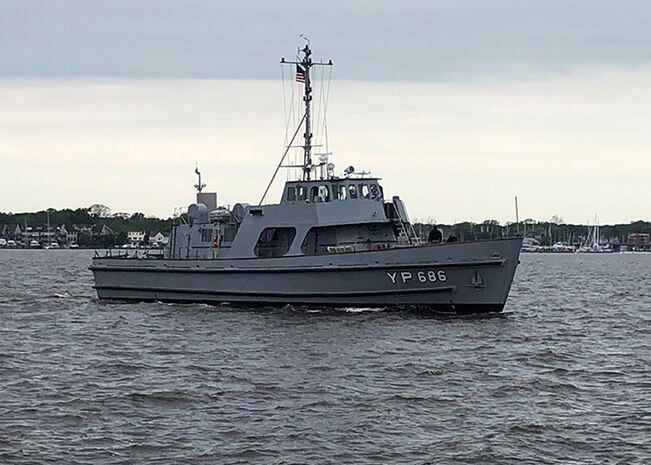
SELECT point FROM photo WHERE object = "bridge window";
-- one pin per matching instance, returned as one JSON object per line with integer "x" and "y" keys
{"x": 274, "y": 242}
{"x": 320, "y": 194}
{"x": 301, "y": 194}
{"x": 291, "y": 193}
{"x": 375, "y": 192}
{"x": 352, "y": 191}
{"x": 364, "y": 192}
{"x": 340, "y": 191}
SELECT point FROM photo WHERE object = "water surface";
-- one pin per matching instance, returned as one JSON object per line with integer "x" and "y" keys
{"x": 563, "y": 376}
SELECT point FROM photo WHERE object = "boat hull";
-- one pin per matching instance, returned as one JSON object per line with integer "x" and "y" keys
{"x": 468, "y": 277}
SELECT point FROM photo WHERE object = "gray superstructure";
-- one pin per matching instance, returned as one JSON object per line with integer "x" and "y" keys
{"x": 330, "y": 241}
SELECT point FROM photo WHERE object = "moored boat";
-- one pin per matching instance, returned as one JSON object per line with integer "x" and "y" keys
{"x": 592, "y": 242}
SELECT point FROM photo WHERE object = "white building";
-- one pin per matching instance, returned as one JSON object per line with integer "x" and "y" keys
{"x": 160, "y": 239}
{"x": 135, "y": 237}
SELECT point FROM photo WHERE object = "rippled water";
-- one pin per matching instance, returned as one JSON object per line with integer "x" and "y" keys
{"x": 564, "y": 376}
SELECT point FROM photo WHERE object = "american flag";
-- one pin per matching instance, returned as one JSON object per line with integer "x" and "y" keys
{"x": 300, "y": 74}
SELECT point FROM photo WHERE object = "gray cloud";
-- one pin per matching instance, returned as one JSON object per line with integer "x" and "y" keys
{"x": 377, "y": 40}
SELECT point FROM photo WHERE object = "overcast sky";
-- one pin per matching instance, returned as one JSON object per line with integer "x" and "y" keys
{"x": 459, "y": 105}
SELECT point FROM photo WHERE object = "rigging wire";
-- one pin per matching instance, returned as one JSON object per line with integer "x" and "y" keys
{"x": 325, "y": 109}
{"x": 282, "y": 78}
{"x": 294, "y": 113}
{"x": 319, "y": 108}
{"x": 285, "y": 114}
{"x": 280, "y": 163}
{"x": 321, "y": 118}
{"x": 296, "y": 100}
{"x": 285, "y": 111}
{"x": 291, "y": 112}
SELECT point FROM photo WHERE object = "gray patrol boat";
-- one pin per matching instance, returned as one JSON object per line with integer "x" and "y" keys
{"x": 331, "y": 241}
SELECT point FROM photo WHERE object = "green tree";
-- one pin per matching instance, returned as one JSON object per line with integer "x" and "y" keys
{"x": 80, "y": 216}
{"x": 121, "y": 238}
{"x": 97, "y": 210}
{"x": 106, "y": 241}
{"x": 84, "y": 239}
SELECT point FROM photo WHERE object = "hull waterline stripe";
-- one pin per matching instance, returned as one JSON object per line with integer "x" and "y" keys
{"x": 297, "y": 295}
{"x": 329, "y": 268}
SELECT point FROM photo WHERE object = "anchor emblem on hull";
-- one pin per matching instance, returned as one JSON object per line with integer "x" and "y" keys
{"x": 477, "y": 280}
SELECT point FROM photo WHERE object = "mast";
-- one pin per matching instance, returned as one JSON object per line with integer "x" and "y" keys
{"x": 517, "y": 217}
{"x": 49, "y": 238}
{"x": 303, "y": 68}
{"x": 307, "y": 98}
{"x": 199, "y": 185}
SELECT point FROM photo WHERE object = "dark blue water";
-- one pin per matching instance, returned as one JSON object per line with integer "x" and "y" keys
{"x": 564, "y": 376}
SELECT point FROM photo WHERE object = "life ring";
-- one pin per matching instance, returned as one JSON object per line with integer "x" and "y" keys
{"x": 377, "y": 246}
{"x": 218, "y": 240}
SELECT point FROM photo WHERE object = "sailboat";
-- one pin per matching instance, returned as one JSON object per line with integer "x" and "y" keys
{"x": 51, "y": 243}
{"x": 592, "y": 243}
{"x": 333, "y": 239}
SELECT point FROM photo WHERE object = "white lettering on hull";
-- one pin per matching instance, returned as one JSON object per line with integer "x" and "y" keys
{"x": 425, "y": 276}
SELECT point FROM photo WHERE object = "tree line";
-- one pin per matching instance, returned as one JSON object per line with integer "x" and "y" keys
{"x": 95, "y": 215}
{"x": 548, "y": 232}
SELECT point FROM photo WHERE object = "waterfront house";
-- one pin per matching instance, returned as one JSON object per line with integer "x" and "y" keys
{"x": 11, "y": 232}
{"x": 69, "y": 234}
{"x": 639, "y": 241}
{"x": 160, "y": 239}
{"x": 135, "y": 237}
{"x": 100, "y": 231}
{"x": 62, "y": 233}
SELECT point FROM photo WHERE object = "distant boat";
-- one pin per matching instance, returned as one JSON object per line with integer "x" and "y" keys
{"x": 592, "y": 242}
{"x": 53, "y": 245}
{"x": 560, "y": 247}
{"x": 34, "y": 244}
{"x": 3, "y": 242}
